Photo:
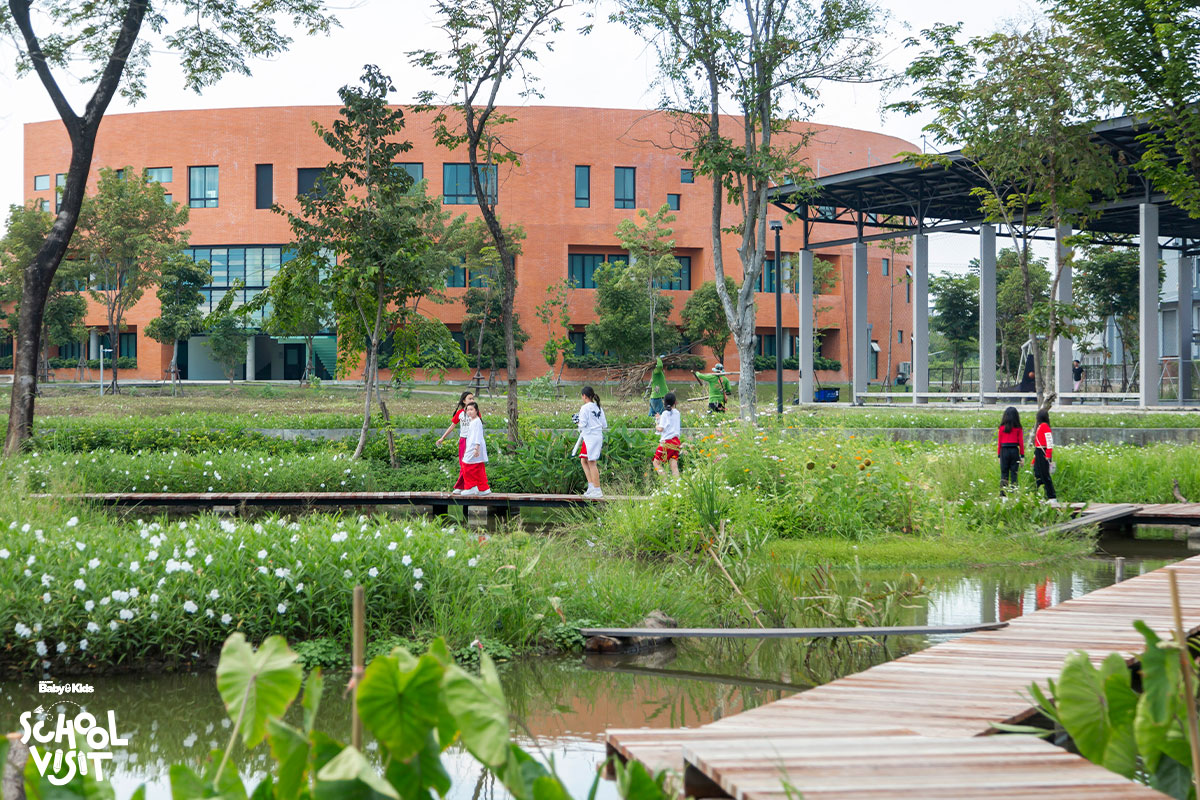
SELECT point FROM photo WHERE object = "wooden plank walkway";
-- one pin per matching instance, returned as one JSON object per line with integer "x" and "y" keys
{"x": 918, "y": 726}
{"x": 438, "y": 500}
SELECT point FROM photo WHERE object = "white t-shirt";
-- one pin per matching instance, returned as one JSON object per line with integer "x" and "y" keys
{"x": 464, "y": 422}
{"x": 475, "y": 437}
{"x": 669, "y": 424}
{"x": 592, "y": 422}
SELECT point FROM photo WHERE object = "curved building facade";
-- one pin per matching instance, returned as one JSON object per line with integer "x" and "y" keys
{"x": 581, "y": 172}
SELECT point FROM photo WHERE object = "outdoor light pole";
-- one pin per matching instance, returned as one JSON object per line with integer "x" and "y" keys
{"x": 103, "y": 350}
{"x": 777, "y": 226}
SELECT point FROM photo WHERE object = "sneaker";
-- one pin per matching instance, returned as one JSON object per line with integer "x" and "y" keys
{"x": 474, "y": 490}
{"x": 456, "y": 491}
{"x": 590, "y": 492}
{"x": 485, "y": 491}
{"x": 597, "y": 493}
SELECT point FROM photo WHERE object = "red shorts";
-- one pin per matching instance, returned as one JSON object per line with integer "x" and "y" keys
{"x": 583, "y": 449}
{"x": 667, "y": 449}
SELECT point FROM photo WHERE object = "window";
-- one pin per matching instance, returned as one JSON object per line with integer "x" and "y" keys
{"x": 766, "y": 344}
{"x": 120, "y": 174}
{"x": 826, "y": 212}
{"x": 682, "y": 279}
{"x": 256, "y": 266}
{"x": 625, "y": 187}
{"x": 886, "y": 267}
{"x": 159, "y": 175}
{"x": 44, "y": 204}
{"x": 308, "y": 181}
{"x": 873, "y": 359}
{"x": 459, "y": 189}
{"x": 581, "y": 267}
{"x": 579, "y": 342}
{"x": 766, "y": 283}
{"x": 6, "y": 346}
{"x": 60, "y": 186}
{"x": 687, "y": 176}
{"x": 69, "y": 350}
{"x": 168, "y": 198}
{"x": 264, "y": 185}
{"x": 41, "y": 183}
{"x": 202, "y": 187}
{"x": 415, "y": 169}
{"x": 908, "y": 286}
{"x": 127, "y": 345}
{"x": 673, "y": 202}
{"x": 583, "y": 187}
{"x": 900, "y": 336}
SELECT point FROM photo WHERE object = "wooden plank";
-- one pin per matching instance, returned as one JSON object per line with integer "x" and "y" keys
{"x": 785, "y": 633}
{"x": 332, "y": 499}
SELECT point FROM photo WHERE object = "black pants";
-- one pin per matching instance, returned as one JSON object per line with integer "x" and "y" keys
{"x": 1041, "y": 474}
{"x": 1010, "y": 462}
{"x": 716, "y": 408}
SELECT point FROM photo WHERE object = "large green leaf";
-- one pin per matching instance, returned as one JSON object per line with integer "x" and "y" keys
{"x": 314, "y": 687}
{"x": 349, "y": 776}
{"x": 228, "y": 784}
{"x": 1160, "y": 674}
{"x": 1120, "y": 751}
{"x": 1172, "y": 779}
{"x": 1080, "y": 700}
{"x": 634, "y": 782}
{"x": 185, "y": 784}
{"x": 549, "y": 787}
{"x": 265, "y": 789}
{"x": 478, "y": 706}
{"x": 324, "y": 749}
{"x": 400, "y": 705}
{"x": 257, "y": 686}
{"x": 519, "y": 772}
{"x": 289, "y": 748}
{"x": 415, "y": 778}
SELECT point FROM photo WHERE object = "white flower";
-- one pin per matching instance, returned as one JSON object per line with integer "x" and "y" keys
{"x": 209, "y": 613}
{"x": 214, "y": 595}
{"x": 89, "y": 605}
{"x": 281, "y": 608}
{"x": 263, "y": 570}
{"x": 125, "y": 613}
{"x": 406, "y": 560}
{"x": 282, "y": 572}
{"x": 347, "y": 574}
{"x": 190, "y": 607}
{"x": 340, "y": 536}
{"x": 134, "y": 566}
{"x": 4, "y": 553}
{"x": 112, "y": 626}
{"x": 23, "y": 630}
{"x": 25, "y": 528}
{"x": 93, "y": 627}
{"x": 472, "y": 562}
{"x": 152, "y": 555}
{"x": 83, "y": 644}
{"x": 418, "y": 586}
{"x": 46, "y": 578}
{"x": 226, "y": 619}
{"x": 104, "y": 601}
{"x": 80, "y": 585}
{"x": 153, "y": 598}
{"x": 41, "y": 649}
{"x": 228, "y": 526}
{"x": 29, "y": 561}
{"x": 71, "y": 523}
{"x": 120, "y": 596}
{"x": 391, "y": 546}
{"x": 45, "y": 597}
{"x": 418, "y": 573}
{"x": 373, "y": 572}
{"x": 262, "y": 553}
{"x": 208, "y": 559}
{"x": 300, "y": 587}
{"x": 61, "y": 647}
{"x": 449, "y": 554}
{"x": 95, "y": 562}
{"x": 80, "y": 546}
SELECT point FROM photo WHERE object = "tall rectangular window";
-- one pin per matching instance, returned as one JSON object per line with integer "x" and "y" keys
{"x": 41, "y": 183}
{"x": 766, "y": 344}
{"x": 60, "y": 186}
{"x": 887, "y": 265}
{"x": 160, "y": 175}
{"x": 168, "y": 198}
{"x": 459, "y": 189}
{"x": 908, "y": 286}
{"x": 203, "y": 187}
{"x": 900, "y": 336}
{"x": 682, "y": 280}
{"x": 673, "y": 202}
{"x": 264, "y": 185}
{"x": 127, "y": 345}
{"x": 583, "y": 187}
{"x": 457, "y": 279}
{"x": 625, "y": 187}
{"x": 687, "y": 176}
{"x": 581, "y": 267}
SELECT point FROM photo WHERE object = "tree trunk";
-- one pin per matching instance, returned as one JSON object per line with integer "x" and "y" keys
{"x": 366, "y": 425}
{"x": 174, "y": 368}
{"x": 310, "y": 362}
{"x": 25, "y": 355}
{"x": 114, "y": 344}
{"x": 387, "y": 420}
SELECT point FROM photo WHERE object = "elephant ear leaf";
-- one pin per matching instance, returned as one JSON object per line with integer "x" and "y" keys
{"x": 257, "y": 685}
{"x": 478, "y": 706}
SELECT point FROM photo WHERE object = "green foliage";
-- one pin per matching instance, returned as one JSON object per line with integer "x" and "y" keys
{"x": 542, "y": 388}
{"x": 650, "y": 249}
{"x": 1106, "y": 284}
{"x": 179, "y": 300}
{"x": 298, "y": 302}
{"x": 227, "y": 332}
{"x": 622, "y": 305}
{"x": 956, "y": 316}
{"x": 555, "y": 314}
{"x": 704, "y": 318}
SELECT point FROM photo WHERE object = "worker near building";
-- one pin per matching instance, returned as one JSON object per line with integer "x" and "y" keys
{"x": 658, "y": 388}
{"x": 719, "y": 388}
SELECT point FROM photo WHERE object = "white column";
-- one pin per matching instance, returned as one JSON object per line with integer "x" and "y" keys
{"x": 93, "y": 344}
{"x": 1064, "y": 348}
{"x": 805, "y": 299}
{"x": 859, "y": 340}
{"x": 1183, "y": 332}
{"x": 987, "y": 312}
{"x": 1148, "y": 305}
{"x": 920, "y": 310}
{"x": 250, "y": 365}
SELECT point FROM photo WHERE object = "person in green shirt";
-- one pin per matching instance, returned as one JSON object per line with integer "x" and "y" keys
{"x": 658, "y": 388}
{"x": 719, "y": 388}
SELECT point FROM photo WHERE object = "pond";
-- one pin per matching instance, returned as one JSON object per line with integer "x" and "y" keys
{"x": 562, "y": 705}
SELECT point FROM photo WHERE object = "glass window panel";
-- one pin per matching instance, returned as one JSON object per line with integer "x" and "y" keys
{"x": 624, "y": 187}
{"x": 459, "y": 189}
{"x": 583, "y": 187}
{"x": 673, "y": 202}
{"x": 219, "y": 258}
{"x": 886, "y": 266}
{"x": 45, "y": 205}
{"x": 160, "y": 174}
{"x": 687, "y": 176}
{"x": 254, "y": 267}
{"x": 415, "y": 169}
{"x": 307, "y": 179}
{"x": 270, "y": 264}
{"x": 41, "y": 183}
{"x": 237, "y": 264}
{"x": 202, "y": 187}
{"x": 264, "y": 185}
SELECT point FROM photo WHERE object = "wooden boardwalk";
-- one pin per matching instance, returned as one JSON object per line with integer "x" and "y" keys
{"x": 918, "y": 726}
{"x": 1125, "y": 514}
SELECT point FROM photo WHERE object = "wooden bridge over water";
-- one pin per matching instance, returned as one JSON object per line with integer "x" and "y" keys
{"x": 921, "y": 726}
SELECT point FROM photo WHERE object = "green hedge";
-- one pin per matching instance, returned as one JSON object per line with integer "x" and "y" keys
{"x": 593, "y": 361}
{"x": 767, "y": 363}
{"x": 124, "y": 362}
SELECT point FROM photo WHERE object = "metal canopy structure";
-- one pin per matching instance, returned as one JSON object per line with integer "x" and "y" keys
{"x": 901, "y": 199}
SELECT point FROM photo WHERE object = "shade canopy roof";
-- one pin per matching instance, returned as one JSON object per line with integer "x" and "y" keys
{"x": 938, "y": 198}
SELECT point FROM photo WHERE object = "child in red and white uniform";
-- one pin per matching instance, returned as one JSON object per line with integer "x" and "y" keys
{"x": 667, "y": 423}
{"x": 459, "y": 419}
{"x": 475, "y": 455}
{"x": 1010, "y": 448}
{"x": 1043, "y": 454}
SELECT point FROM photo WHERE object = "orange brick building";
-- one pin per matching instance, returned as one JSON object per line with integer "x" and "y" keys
{"x": 229, "y": 165}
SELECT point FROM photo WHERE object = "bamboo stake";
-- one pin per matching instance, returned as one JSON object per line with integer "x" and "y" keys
{"x": 358, "y": 646}
{"x": 1185, "y": 660}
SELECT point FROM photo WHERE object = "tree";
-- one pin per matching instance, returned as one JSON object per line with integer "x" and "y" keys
{"x": 127, "y": 233}
{"x": 101, "y": 42}
{"x": 491, "y": 43}
{"x": 956, "y": 316}
{"x": 1148, "y": 49}
{"x": 1012, "y": 310}
{"x": 621, "y": 306}
{"x": 484, "y": 299}
{"x": 650, "y": 249}
{"x": 555, "y": 314}
{"x": 297, "y": 303}
{"x": 483, "y": 327}
{"x": 179, "y": 317}
{"x": 704, "y": 320}
{"x": 1021, "y": 104}
{"x": 1106, "y": 281}
{"x": 228, "y": 333}
{"x": 389, "y": 236}
{"x": 765, "y": 59}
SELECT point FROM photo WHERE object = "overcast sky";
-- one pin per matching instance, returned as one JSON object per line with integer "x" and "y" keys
{"x": 610, "y": 68}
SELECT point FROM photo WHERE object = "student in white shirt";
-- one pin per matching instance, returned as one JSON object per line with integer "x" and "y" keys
{"x": 475, "y": 455}
{"x": 669, "y": 428}
{"x": 460, "y": 419}
{"x": 592, "y": 424}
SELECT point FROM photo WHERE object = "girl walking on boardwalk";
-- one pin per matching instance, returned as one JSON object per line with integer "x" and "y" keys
{"x": 474, "y": 468}
{"x": 1010, "y": 447}
{"x": 1043, "y": 455}
{"x": 592, "y": 424}
{"x": 668, "y": 426}
{"x": 459, "y": 419}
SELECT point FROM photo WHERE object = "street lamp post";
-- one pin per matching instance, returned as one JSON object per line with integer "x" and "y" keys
{"x": 102, "y": 350}
{"x": 777, "y": 226}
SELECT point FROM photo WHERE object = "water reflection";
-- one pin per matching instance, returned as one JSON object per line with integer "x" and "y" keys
{"x": 562, "y": 706}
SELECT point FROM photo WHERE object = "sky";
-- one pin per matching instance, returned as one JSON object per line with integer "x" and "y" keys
{"x": 609, "y": 68}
